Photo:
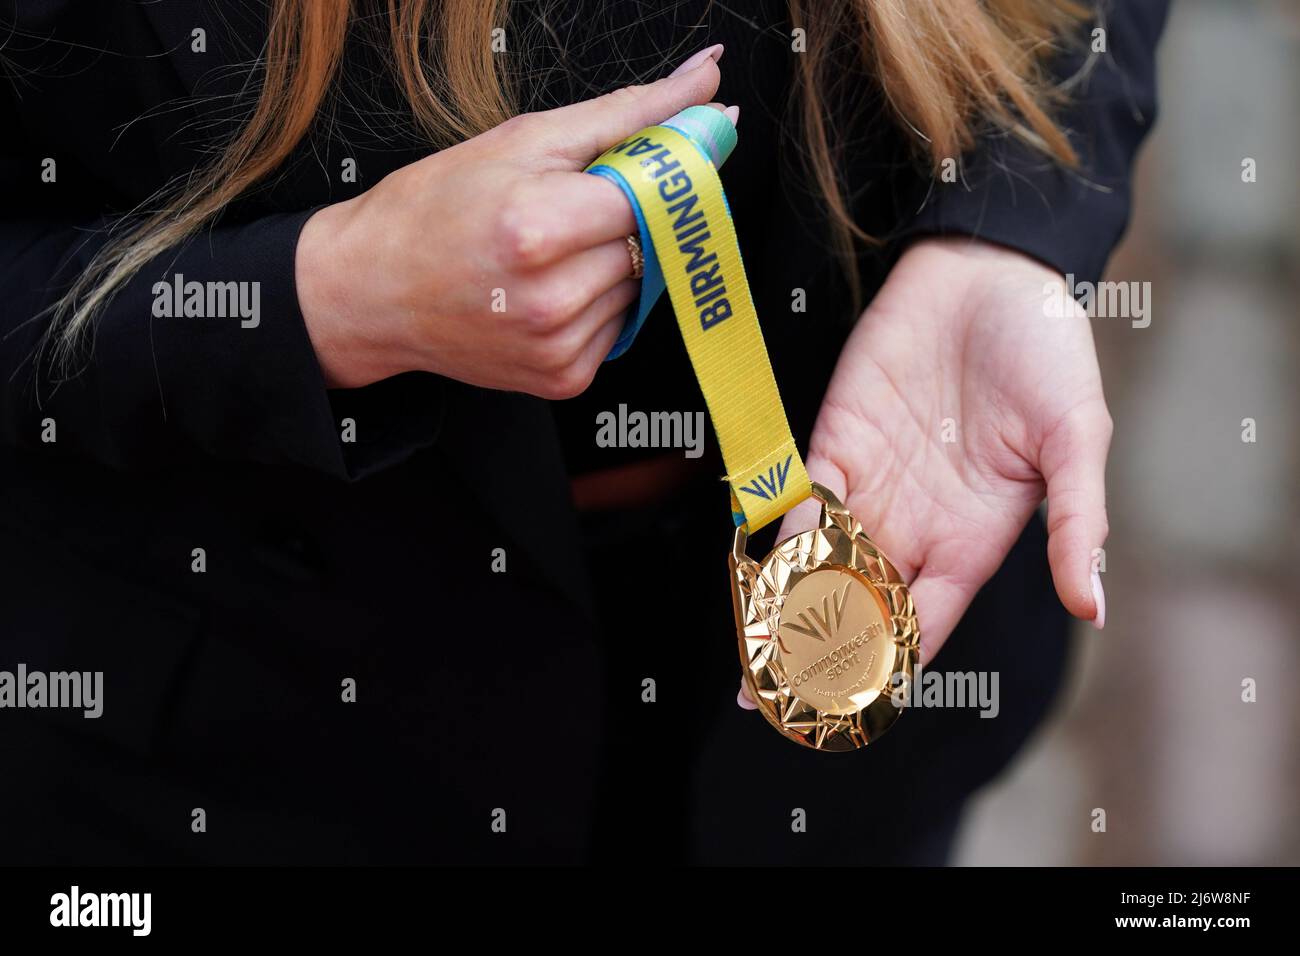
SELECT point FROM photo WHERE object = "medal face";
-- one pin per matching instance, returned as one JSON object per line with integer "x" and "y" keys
{"x": 833, "y": 640}
{"x": 828, "y": 633}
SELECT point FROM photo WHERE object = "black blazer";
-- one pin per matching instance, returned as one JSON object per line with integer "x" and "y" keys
{"x": 369, "y": 559}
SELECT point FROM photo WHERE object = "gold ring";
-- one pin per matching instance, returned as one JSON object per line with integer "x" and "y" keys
{"x": 638, "y": 257}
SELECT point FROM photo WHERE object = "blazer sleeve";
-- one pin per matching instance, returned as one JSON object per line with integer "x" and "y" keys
{"x": 1010, "y": 194}
{"x": 151, "y": 390}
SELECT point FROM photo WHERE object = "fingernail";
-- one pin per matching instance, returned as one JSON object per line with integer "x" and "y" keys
{"x": 732, "y": 113}
{"x": 1099, "y": 596}
{"x": 709, "y": 53}
{"x": 742, "y": 698}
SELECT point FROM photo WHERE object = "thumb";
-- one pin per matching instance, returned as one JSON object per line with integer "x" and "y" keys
{"x": 575, "y": 135}
{"x": 1074, "y": 463}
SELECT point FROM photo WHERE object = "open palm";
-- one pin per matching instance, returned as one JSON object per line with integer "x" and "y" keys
{"x": 961, "y": 397}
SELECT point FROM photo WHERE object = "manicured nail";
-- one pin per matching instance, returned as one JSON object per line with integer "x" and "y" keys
{"x": 1099, "y": 596}
{"x": 709, "y": 53}
{"x": 742, "y": 698}
{"x": 732, "y": 113}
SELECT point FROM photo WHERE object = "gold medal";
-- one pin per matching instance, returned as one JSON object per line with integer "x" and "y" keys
{"x": 828, "y": 634}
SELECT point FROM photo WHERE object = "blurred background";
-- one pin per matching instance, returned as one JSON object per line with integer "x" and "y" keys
{"x": 1201, "y": 573}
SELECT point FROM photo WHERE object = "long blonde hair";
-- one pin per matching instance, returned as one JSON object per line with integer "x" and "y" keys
{"x": 946, "y": 68}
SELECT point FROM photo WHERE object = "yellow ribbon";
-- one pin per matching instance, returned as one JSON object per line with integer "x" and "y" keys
{"x": 685, "y": 210}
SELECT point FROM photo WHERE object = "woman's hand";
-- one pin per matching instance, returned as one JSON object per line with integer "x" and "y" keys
{"x": 961, "y": 396}
{"x": 496, "y": 262}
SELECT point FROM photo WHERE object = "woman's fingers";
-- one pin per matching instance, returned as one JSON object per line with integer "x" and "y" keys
{"x": 743, "y": 700}
{"x": 573, "y": 354}
{"x": 940, "y": 601}
{"x": 600, "y": 268}
{"x": 610, "y": 307}
{"x": 1073, "y": 461}
{"x": 558, "y": 214}
{"x": 602, "y": 305}
{"x": 558, "y": 300}
{"x": 599, "y": 326}
{"x": 555, "y": 301}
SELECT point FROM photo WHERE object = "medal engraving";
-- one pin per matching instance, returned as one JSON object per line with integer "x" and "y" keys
{"x": 827, "y": 632}
{"x": 833, "y": 641}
